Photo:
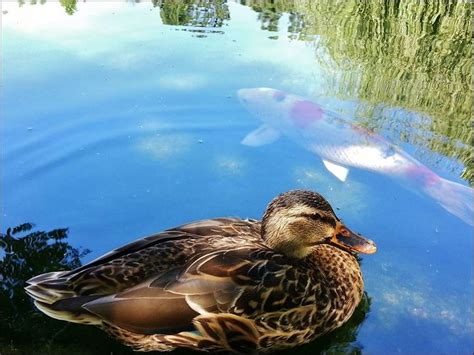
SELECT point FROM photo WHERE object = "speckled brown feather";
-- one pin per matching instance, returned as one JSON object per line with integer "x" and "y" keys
{"x": 209, "y": 285}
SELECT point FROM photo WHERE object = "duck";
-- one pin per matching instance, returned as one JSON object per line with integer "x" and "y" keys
{"x": 222, "y": 284}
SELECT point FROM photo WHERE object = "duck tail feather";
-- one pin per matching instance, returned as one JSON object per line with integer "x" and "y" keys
{"x": 50, "y": 287}
{"x": 49, "y": 276}
{"x": 69, "y": 310}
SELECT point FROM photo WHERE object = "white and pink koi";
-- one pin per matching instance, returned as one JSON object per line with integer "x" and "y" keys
{"x": 342, "y": 144}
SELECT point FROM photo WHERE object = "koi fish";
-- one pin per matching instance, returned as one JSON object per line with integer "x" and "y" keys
{"x": 342, "y": 144}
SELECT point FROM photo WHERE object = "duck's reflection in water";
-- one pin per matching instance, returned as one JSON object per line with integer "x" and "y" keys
{"x": 25, "y": 253}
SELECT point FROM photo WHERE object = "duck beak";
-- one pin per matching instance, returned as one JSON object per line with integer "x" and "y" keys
{"x": 345, "y": 238}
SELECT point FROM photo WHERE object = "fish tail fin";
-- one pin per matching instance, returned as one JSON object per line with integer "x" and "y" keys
{"x": 455, "y": 198}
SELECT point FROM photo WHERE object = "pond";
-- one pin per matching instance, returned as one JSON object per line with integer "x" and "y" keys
{"x": 121, "y": 119}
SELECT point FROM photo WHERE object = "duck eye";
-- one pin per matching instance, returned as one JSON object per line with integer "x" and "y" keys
{"x": 314, "y": 217}
{"x": 319, "y": 218}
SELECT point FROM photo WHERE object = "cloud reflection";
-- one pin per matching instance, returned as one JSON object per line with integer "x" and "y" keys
{"x": 183, "y": 82}
{"x": 165, "y": 147}
{"x": 230, "y": 166}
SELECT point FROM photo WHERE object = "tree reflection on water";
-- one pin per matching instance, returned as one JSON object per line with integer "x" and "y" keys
{"x": 403, "y": 54}
{"x": 24, "y": 330}
{"x": 210, "y": 13}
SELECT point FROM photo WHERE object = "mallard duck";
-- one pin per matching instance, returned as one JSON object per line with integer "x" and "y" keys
{"x": 223, "y": 284}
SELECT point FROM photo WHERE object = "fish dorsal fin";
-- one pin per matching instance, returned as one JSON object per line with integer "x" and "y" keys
{"x": 338, "y": 171}
{"x": 261, "y": 136}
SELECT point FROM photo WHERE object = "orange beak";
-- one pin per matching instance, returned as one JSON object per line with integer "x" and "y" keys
{"x": 345, "y": 238}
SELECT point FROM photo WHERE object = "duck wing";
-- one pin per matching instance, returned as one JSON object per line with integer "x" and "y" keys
{"x": 208, "y": 227}
{"x": 211, "y": 296}
{"x": 228, "y": 227}
{"x": 169, "y": 302}
{"x": 135, "y": 262}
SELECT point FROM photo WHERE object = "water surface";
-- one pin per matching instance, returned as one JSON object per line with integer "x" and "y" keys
{"x": 120, "y": 119}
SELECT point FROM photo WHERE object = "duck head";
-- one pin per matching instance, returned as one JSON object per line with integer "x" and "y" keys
{"x": 296, "y": 222}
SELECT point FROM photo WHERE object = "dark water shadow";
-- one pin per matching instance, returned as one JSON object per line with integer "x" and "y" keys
{"x": 24, "y": 330}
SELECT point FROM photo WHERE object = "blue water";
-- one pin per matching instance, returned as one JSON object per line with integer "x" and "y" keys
{"x": 117, "y": 126}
